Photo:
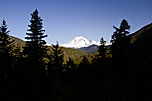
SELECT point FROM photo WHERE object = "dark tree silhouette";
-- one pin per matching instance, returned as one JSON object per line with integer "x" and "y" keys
{"x": 35, "y": 45}
{"x": 56, "y": 60}
{"x": 35, "y": 51}
{"x": 18, "y": 57}
{"x": 70, "y": 65}
{"x": 120, "y": 40}
{"x": 84, "y": 61}
{"x": 101, "y": 48}
{"x": 120, "y": 36}
{"x": 101, "y": 69}
{"x": 120, "y": 61}
{"x": 56, "y": 68}
{"x": 57, "y": 56}
{"x": 6, "y": 46}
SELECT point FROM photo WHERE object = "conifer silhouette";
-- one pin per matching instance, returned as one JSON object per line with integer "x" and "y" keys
{"x": 6, "y": 47}
{"x": 57, "y": 55}
{"x": 101, "y": 48}
{"x": 120, "y": 36}
{"x": 57, "y": 66}
{"x": 35, "y": 45}
{"x": 35, "y": 51}
{"x": 70, "y": 64}
{"x": 119, "y": 48}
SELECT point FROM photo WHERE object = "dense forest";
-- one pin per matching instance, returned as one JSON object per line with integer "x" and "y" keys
{"x": 34, "y": 71}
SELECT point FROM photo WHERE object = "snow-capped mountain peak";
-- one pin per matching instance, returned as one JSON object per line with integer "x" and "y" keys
{"x": 79, "y": 42}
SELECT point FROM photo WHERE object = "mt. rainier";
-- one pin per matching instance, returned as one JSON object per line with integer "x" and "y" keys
{"x": 79, "y": 42}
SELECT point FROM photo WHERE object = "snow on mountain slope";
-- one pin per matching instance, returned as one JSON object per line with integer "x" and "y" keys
{"x": 79, "y": 42}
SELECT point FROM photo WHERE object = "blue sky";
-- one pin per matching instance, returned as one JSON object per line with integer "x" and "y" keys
{"x": 65, "y": 19}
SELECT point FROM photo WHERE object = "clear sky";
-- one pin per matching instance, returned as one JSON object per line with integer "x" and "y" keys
{"x": 65, "y": 19}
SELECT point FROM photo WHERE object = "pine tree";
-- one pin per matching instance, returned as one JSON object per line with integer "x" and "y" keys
{"x": 121, "y": 71}
{"x": 55, "y": 64}
{"x": 57, "y": 68}
{"x": 6, "y": 45}
{"x": 101, "y": 48}
{"x": 84, "y": 64}
{"x": 35, "y": 45}
{"x": 70, "y": 64}
{"x": 57, "y": 57}
{"x": 18, "y": 56}
{"x": 120, "y": 36}
{"x": 84, "y": 61}
{"x": 120, "y": 41}
{"x": 35, "y": 51}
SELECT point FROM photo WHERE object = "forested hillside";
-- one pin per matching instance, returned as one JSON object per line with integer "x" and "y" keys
{"x": 74, "y": 54}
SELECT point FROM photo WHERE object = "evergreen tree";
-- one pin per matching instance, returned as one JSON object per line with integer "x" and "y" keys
{"x": 101, "y": 48}
{"x": 70, "y": 64}
{"x": 57, "y": 68}
{"x": 121, "y": 71}
{"x": 84, "y": 61}
{"x": 35, "y": 45}
{"x": 84, "y": 64}
{"x": 6, "y": 45}
{"x": 120, "y": 37}
{"x": 120, "y": 42}
{"x": 57, "y": 57}
{"x": 18, "y": 56}
{"x": 55, "y": 64}
{"x": 35, "y": 51}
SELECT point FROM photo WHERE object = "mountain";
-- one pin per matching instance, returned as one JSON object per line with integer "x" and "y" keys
{"x": 90, "y": 49}
{"x": 79, "y": 42}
